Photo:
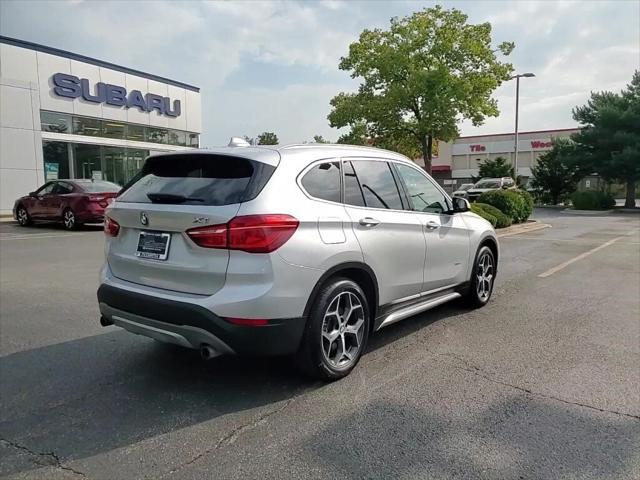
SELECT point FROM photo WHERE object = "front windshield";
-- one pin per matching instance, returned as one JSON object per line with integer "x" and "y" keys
{"x": 488, "y": 184}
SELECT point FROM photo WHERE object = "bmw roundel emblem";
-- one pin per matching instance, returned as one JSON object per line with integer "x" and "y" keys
{"x": 144, "y": 220}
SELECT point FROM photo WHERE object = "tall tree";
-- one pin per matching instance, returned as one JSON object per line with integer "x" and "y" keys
{"x": 556, "y": 172}
{"x": 609, "y": 141}
{"x": 320, "y": 139}
{"x": 420, "y": 78}
{"x": 267, "y": 138}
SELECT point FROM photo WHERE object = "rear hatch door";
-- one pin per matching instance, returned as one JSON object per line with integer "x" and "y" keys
{"x": 172, "y": 194}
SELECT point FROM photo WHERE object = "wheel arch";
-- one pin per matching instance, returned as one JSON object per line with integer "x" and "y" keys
{"x": 359, "y": 272}
{"x": 492, "y": 243}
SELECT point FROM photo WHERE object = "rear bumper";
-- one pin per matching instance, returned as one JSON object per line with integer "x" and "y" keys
{"x": 192, "y": 325}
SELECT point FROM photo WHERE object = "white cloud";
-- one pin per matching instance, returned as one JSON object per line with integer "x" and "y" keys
{"x": 573, "y": 47}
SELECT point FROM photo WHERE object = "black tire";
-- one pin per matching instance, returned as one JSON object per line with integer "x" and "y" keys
{"x": 479, "y": 293}
{"x": 313, "y": 357}
{"x": 24, "y": 219}
{"x": 69, "y": 220}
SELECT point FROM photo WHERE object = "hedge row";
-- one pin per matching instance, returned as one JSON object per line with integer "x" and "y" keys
{"x": 592, "y": 200}
{"x": 515, "y": 206}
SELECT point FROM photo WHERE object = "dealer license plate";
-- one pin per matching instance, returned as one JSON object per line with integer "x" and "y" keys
{"x": 154, "y": 245}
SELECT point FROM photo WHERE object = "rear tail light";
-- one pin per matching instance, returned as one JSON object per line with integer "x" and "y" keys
{"x": 101, "y": 200}
{"x": 249, "y": 233}
{"x": 111, "y": 227}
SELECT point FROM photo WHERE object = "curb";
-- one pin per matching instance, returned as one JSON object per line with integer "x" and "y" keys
{"x": 522, "y": 228}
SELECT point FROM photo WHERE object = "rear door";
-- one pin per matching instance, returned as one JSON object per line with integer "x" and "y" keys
{"x": 173, "y": 194}
{"x": 390, "y": 237}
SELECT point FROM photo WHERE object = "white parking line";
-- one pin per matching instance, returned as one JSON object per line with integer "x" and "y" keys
{"x": 557, "y": 268}
{"x": 37, "y": 235}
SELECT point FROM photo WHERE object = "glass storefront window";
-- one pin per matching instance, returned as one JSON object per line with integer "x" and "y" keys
{"x": 135, "y": 161}
{"x": 95, "y": 127}
{"x": 87, "y": 160}
{"x": 55, "y": 122}
{"x": 157, "y": 135}
{"x": 87, "y": 126}
{"x": 136, "y": 133}
{"x": 56, "y": 160}
{"x": 113, "y": 169}
{"x": 176, "y": 137}
{"x": 113, "y": 129}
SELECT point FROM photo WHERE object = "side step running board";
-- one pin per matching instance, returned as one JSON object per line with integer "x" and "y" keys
{"x": 417, "y": 308}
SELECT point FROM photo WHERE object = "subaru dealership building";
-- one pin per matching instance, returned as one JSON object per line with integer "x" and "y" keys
{"x": 64, "y": 115}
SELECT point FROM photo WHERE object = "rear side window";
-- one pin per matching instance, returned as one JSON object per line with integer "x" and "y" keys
{"x": 197, "y": 180}
{"x": 352, "y": 190}
{"x": 323, "y": 181}
{"x": 377, "y": 184}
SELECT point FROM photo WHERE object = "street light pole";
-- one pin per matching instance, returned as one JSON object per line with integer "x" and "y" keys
{"x": 515, "y": 156}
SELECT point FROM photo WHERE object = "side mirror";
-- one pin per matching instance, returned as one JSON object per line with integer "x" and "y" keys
{"x": 33, "y": 194}
{"x": 460, "y": 205}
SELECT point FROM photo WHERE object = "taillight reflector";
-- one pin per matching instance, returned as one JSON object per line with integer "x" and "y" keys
{"x": 248, "y": 322}
{"x": 249, "y": 233}
{"x": 111, "y": 227}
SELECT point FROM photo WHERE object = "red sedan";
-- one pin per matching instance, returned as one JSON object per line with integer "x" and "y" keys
{"x": 73, "y": 202}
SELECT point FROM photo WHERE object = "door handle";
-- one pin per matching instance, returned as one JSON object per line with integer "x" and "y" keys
{"x": 369, "y": 222}
{"x": 432, "y": 226}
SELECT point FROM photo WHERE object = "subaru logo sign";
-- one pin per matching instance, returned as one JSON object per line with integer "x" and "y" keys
{"x": 70, "y": 86}
{"x": 144, "y": 220}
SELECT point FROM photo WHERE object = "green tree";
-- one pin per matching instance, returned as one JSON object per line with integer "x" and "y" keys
{"x": 249, "y": 140}
{"x": 498, "y": 167}
{"x": 420, "y": 78}
{"x": 609, "y": 141}
{"x": 556, "y": 173}
{"x": 267, "y": 138}
{"x": 320, "y": 139}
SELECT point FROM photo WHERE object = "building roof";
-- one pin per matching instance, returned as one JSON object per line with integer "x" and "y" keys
{"x": 93, "y": 61}
{"x": 519, "y": 133}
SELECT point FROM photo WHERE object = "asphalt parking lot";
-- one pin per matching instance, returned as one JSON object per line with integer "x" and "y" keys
{"x": 544, "y": 382}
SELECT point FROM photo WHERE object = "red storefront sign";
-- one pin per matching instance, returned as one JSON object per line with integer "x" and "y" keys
{"x": 477, "y": 148}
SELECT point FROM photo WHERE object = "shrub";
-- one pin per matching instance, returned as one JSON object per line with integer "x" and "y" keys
{"x": 509, "y": 202}
{"x": 484, "y": 214}
{"x": 502, "y": 220}
{"x": 592, "y": 200}
{"x": 528, "y": 203}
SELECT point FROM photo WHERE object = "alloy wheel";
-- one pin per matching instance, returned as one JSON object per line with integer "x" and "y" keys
{"x": 23, "y": 216}
{"x": 484, "y": 276}
{"x": 69, "y": 219}
{"x": 342, "y": 330}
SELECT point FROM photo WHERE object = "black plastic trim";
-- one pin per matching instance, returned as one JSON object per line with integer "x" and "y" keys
{"x": 279, "y": 337}
{"x": 336, "y": 270}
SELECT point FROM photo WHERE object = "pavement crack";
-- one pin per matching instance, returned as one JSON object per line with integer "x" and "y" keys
{"x": 469, "y": 367}
{"x": 232, "y": 436}
{"x": 44, "y": 459}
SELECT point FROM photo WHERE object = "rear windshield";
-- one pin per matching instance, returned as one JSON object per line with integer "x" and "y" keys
{"x": 99, "y": 186}
{"x": 197, "y": 180}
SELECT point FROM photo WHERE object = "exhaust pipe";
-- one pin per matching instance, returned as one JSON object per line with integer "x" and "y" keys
{"x": 104, "y": 321}
{"x": 207, "y": 352}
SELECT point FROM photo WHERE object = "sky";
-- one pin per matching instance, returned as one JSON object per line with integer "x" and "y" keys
{"x": 273, "y": 66}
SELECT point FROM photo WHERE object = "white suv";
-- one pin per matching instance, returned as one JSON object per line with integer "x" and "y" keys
{"x": 300, "y": 249}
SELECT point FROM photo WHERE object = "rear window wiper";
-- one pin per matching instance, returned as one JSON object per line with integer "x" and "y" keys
{"x": 171, "y": 198}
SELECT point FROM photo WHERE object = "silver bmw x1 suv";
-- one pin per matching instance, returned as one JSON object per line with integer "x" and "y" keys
{"x": 302, "y": 249}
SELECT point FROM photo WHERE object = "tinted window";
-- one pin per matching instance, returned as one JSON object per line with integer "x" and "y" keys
{"x": 62, "y": 188}
{"x": 352, "y": 191}
{"x": 46, "y": 189}
{"x": 196, "y": 180}
{"x": 378, "y": 185}
{"x": 87, "y": 126}
{"x": 55, "y": 122}
{"x": 323, "y": 181}
{"x": 424, "y": 195}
